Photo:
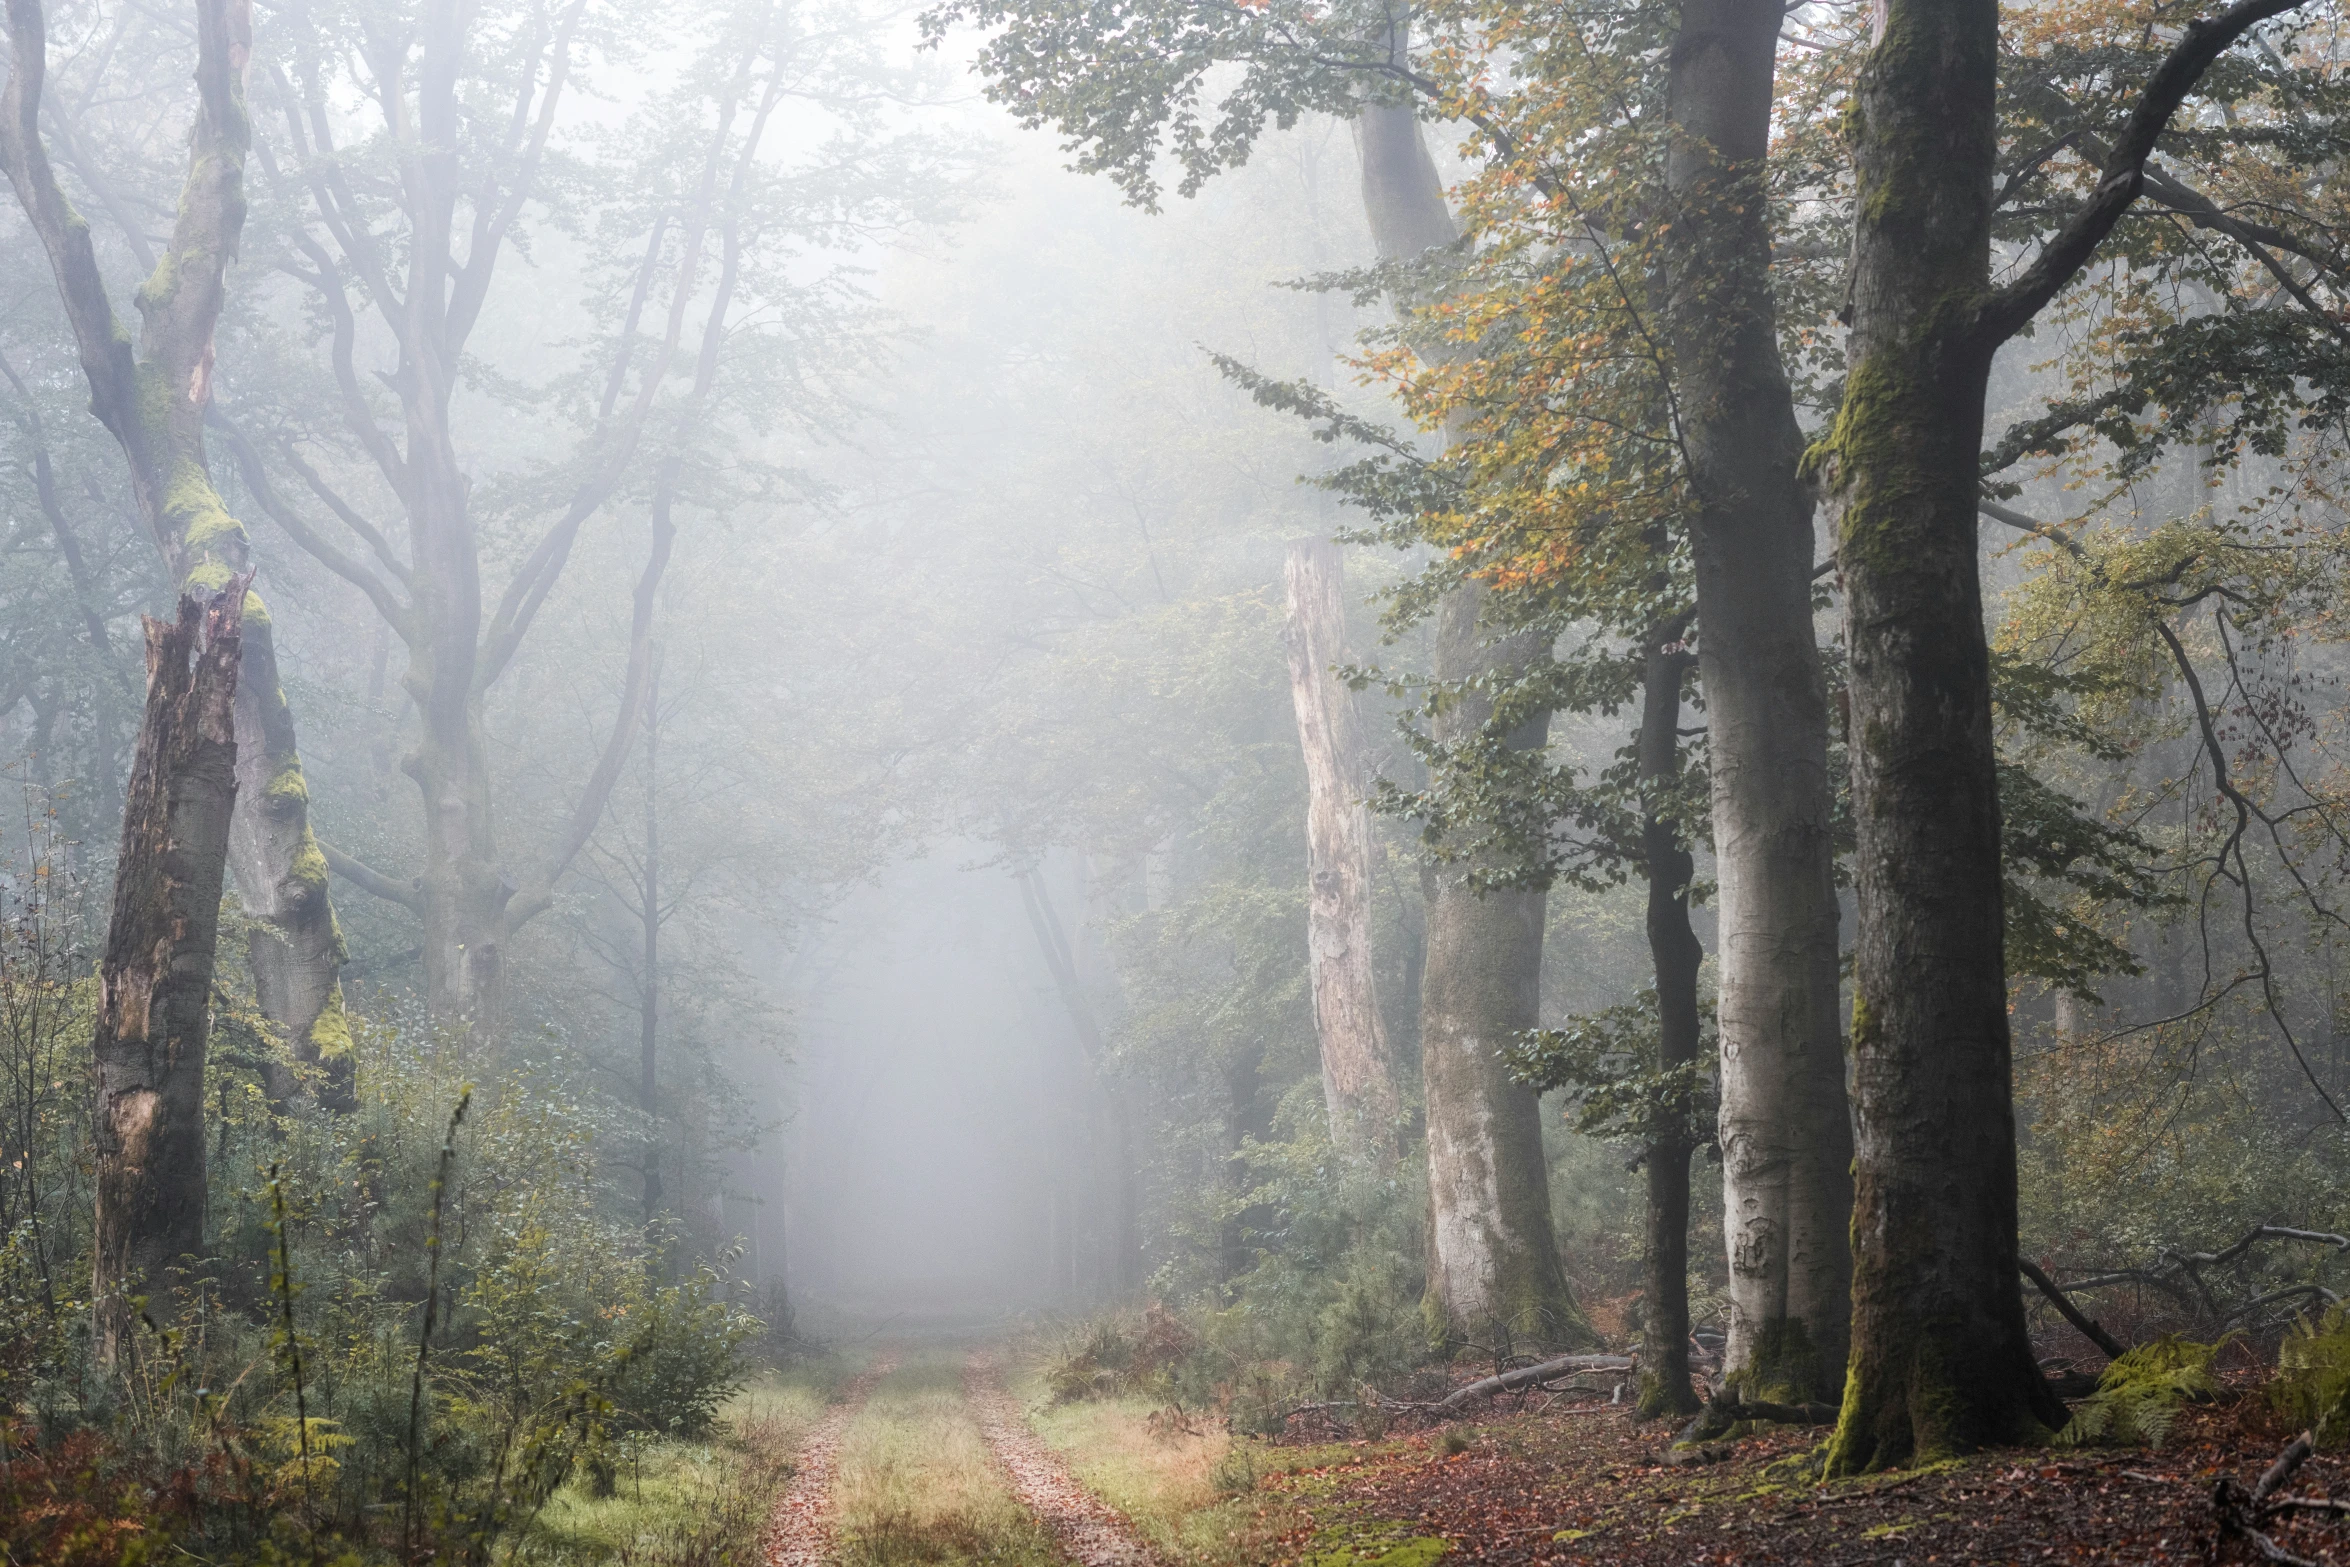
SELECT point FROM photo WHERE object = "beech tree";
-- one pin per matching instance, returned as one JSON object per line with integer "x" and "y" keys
{"x": 1940, "y": 1358}
{"x": 705, "y": 266}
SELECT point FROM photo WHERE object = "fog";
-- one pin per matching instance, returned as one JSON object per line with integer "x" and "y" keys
{"x": 928, "y": 739}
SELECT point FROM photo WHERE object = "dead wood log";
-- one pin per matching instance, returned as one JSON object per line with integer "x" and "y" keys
{"x": 155, "y": 980}
{"x": 1729, "y": 1409}
{"x": 2072, "y": 1313}
{"x": 1527, "y": 1376}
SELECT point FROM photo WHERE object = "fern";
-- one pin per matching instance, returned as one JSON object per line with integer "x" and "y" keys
{"x": 2313, "y": 1376}
{"x": 2140, "y": 1394}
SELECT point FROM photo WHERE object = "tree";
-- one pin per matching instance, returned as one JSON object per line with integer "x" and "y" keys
{"x": 1940, "y": 1359}
{"x": 155, "y": 978}
{"x": 1785, "y": 1129}
{"x": 154, "y": 402}
{"x": 1358, "y": 1084}
{"x": 710, "y": 224}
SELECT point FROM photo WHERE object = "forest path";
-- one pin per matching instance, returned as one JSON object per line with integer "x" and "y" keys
{"x": 1092, "y": 1533}
{"x": 800, "y": 1532}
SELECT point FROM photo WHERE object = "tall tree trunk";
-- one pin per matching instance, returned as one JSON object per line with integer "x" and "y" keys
{"x": 1676, "y": 956}
{"x": 155, "y": 405}
{"x": 1785, "y": 1127}
{"x": 1052, "y": 941}
{"x": 1358, "y": 1087}
{"x": 648, "y": 1078}
{"x": 1940, "y": 1361}
{"x": 1493, "y": 1255}
{"x": 1495, "y": 1259}
{"x": 155, "y": 980}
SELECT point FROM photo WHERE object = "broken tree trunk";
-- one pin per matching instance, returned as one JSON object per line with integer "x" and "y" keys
{"x": 155, "y": 982}
{"x": 1358, "y": 1088}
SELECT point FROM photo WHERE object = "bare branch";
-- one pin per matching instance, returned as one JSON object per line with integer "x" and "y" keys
{"x": 406, "y": 894}
{"x": 257, "y": 480}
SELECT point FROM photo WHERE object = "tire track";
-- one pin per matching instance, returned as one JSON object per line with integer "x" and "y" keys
{"x": 1091, "y": 1532}
{"x": 799, "y": 1531}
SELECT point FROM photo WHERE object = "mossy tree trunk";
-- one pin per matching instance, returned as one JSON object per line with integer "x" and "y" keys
{"x": 1676, "y": 956}
{"x": 154, "y": 402}
{"x": 1358, "y": 1087}
{"x": 155, "y": 979}
{"x": 1785, "y": 1127}
{"x": 1940, "y": 1359}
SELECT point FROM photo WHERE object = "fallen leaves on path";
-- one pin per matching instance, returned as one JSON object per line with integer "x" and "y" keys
{"x": 799, "y": 1533}
{"x": 1092, "y": 1533}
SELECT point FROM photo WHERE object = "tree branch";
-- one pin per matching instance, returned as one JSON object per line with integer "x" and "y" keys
{"x": 2009, "y": 309}
{"x": 405, "y": 894}
{"x": 534, "y": 899}
{"x": 2072, "y": 1313}
{"x": 105, "y": 349}
{"x": 257, "y": 480}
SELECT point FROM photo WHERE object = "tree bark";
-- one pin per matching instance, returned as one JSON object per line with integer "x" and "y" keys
{"x": 1940, "y": 1360}
{"x": 1358, "y": 1089}
{"x": 1785, "y": 1128}
{"x": 155, "y": 980}
{"x": 1493, "y": 1255}
{"x": 154, "y": 405}
{"x": 1676, "y": 955}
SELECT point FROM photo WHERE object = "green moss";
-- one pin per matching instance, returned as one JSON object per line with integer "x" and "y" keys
{"x": 1374, "y": 1545}
{"x": 330, "y": 1034}
{"x": 164, "y": 281}
{"x": 1784, "y": 1367}
{"x": 211, "y": 576}
{"x": 289, "y": 784}
{"x": 309, "y": 867}
{"x": 1864, "y": 1022}
{"x": 154, "y": 404}
{"x": 192, "y": 507}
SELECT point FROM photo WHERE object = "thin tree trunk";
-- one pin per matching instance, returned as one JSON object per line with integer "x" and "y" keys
{"x": 648, "y": 1079}
{"x": 1493, "y": 1255}
{"x": 1785, "y": 1128}
{"x": 1941, "y": 1361}
{"x": 155, "y": 980}
{"x": 1052, "y": 942}
{"x": 1676, "y": 956}
{"x": 1358, "y": 1089}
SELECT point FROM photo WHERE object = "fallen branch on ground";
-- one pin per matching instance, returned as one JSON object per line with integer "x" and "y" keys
{"x": 2241, "y": 1513}
{"x": 1528, "y": 1376}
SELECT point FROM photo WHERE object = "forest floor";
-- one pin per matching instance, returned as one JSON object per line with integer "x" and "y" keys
{"x": 947, "y": 1457}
